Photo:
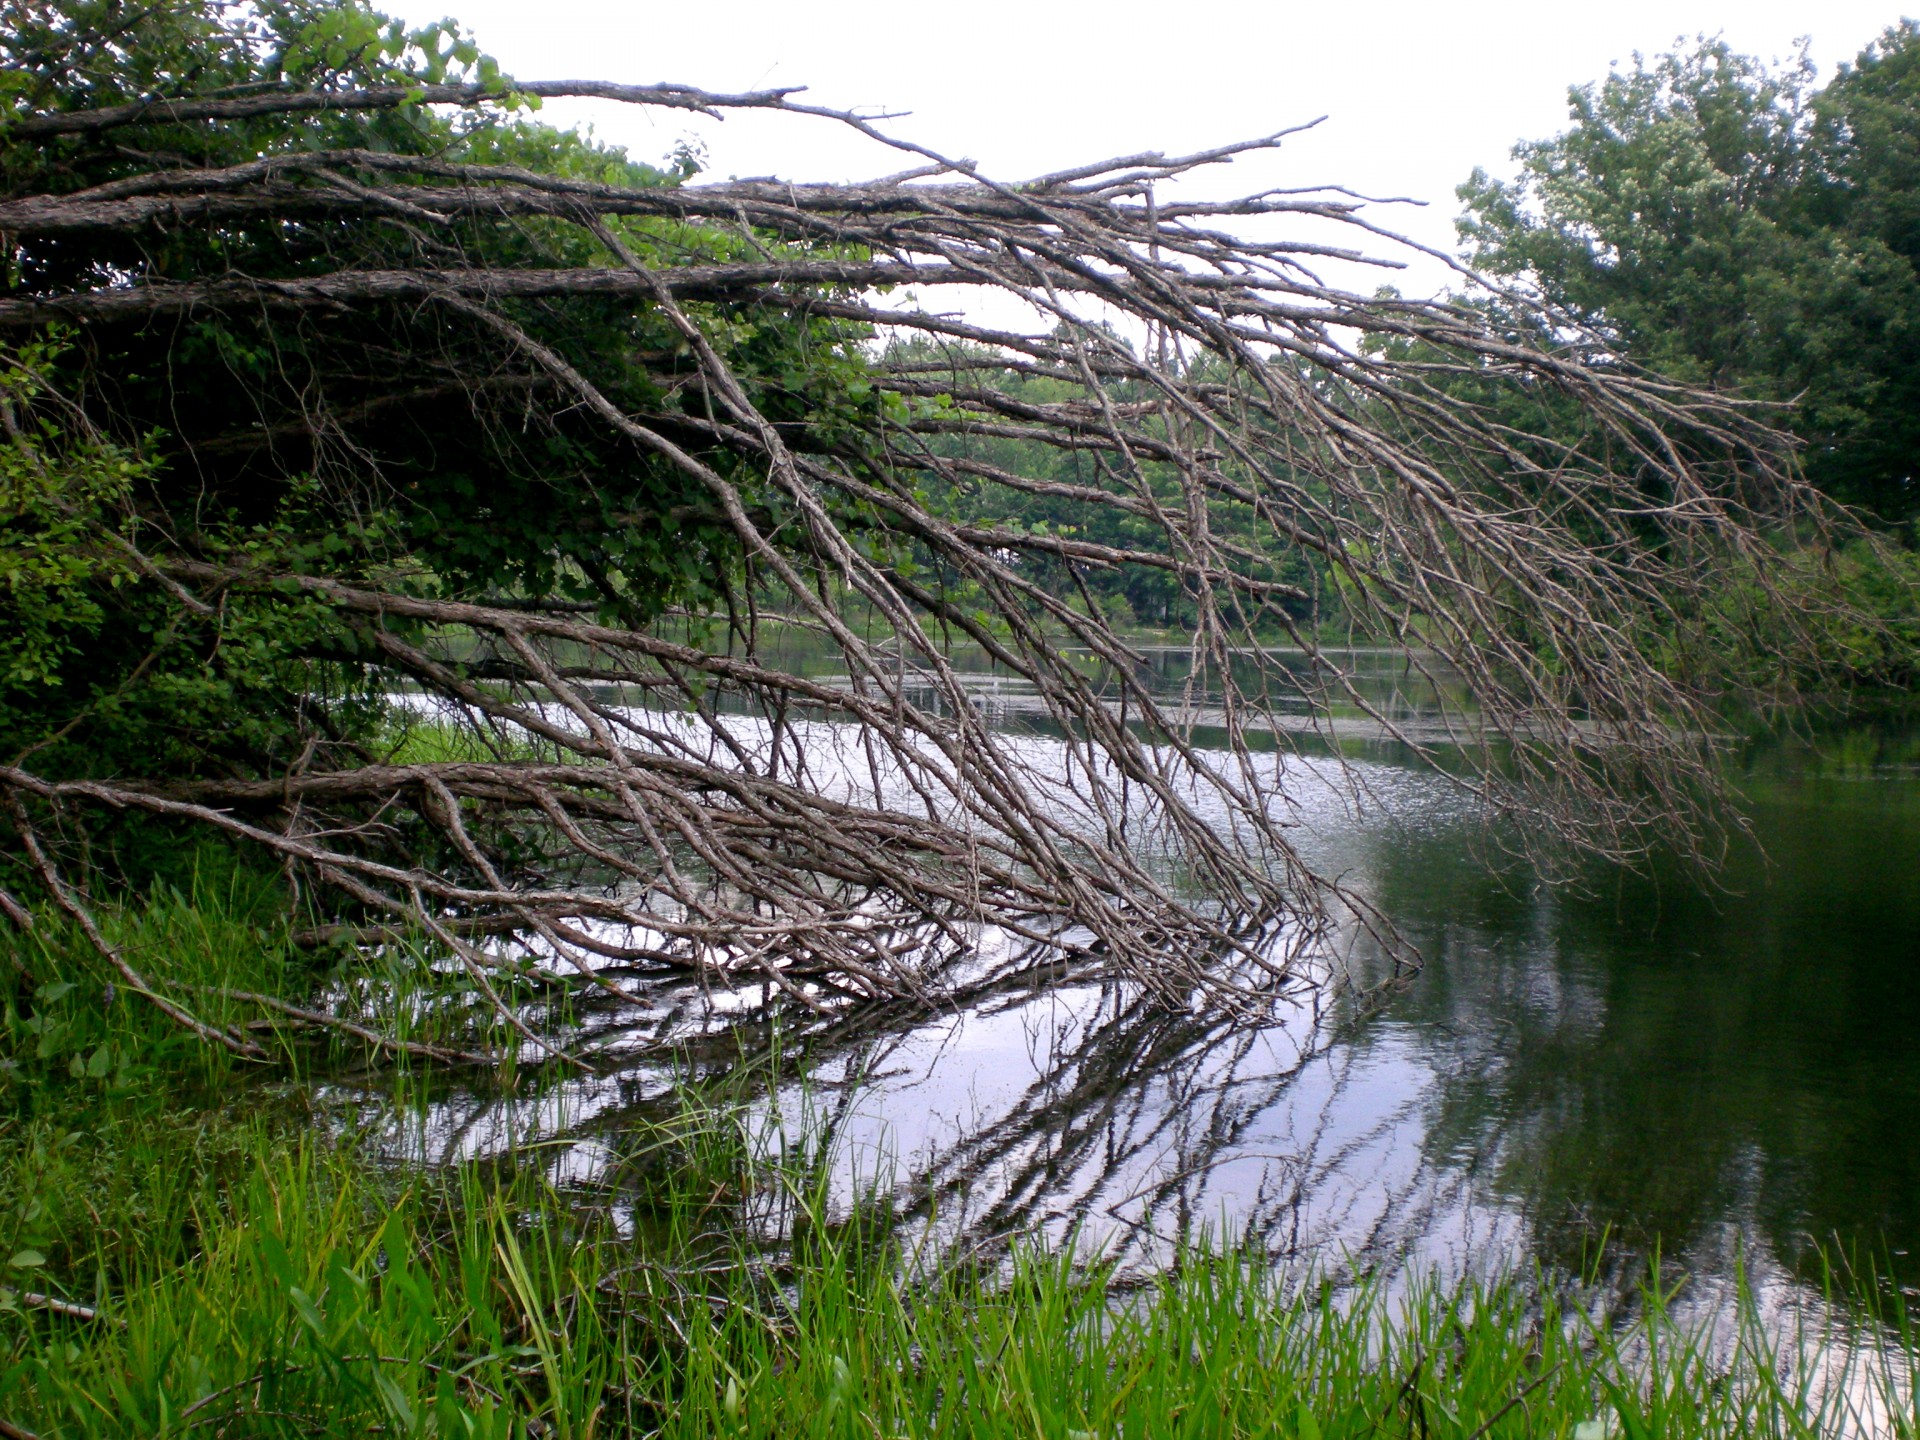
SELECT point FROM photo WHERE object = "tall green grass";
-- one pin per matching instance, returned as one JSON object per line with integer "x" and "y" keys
{"x": 304, "y": 1291}
{"x": 221, "y": 947}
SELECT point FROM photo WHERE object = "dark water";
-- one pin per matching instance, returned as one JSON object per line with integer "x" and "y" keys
{"x": 1723, "y": 1076}
{"x": 1672, "y": 1064}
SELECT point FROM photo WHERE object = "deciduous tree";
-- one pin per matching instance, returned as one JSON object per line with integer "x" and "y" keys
{"x": 1736, "y": 225}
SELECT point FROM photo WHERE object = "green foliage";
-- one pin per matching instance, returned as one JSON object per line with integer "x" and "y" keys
{"x": 56, "y": 499}
{"x": 385, "y": 445}
{"x": 88, "y": 54}
{"x": 1736, "y": 225}
{"x": 1131, "y": 596}
{"x": 481, "y": 505}
{"x": 101, "y": 671}
{"x": 470, "y": 495}
{"x": 1877, "y": 641}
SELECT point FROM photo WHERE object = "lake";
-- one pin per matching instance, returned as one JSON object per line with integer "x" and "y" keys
{"x": 1580, "y": 1075}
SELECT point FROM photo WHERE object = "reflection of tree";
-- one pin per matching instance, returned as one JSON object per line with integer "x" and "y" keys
{"x": 1657, "y": 1062}
{"x": 1645, "y": 1063}
{"x": 1127, "y": 1116}
{"x": 1132, "y": 1125}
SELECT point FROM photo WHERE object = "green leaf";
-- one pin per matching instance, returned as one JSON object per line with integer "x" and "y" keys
{"x": 27, "y": 1260}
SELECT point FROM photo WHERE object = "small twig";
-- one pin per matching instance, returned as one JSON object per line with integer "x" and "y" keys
{"x": 53, "y": 1305}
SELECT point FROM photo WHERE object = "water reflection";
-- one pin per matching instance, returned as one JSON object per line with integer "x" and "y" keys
{"x": 1721, "y": 1076}
{"x": 1658, "y": 1060}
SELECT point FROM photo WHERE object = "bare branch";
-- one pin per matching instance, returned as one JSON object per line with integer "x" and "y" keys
{"x": 1548, "y": 535}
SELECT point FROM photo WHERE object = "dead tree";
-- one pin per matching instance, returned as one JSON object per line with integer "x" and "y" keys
{"x": 1550, "y": 532}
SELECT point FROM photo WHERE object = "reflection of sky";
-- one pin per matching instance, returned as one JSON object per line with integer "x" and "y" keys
{"x": 1443, "y": 1133}
{"x": 1082, "y": 1110}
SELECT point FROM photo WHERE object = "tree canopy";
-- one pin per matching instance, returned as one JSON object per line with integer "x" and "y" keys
{"x": 567, "y": 562}
{"x": 1737, "y": 225}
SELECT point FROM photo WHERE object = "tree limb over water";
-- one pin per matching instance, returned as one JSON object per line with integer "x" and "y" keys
{"x": 354, "y": 398}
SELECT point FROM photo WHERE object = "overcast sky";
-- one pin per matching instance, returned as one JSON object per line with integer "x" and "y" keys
{"x": 1415, "y": 95}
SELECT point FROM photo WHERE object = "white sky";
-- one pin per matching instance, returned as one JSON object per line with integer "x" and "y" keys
{"x": 1416, "y": 95}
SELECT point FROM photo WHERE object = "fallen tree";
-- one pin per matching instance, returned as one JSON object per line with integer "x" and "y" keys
{"x": 343, "y": 396}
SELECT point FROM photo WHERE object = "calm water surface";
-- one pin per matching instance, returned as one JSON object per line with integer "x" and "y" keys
{"x": 1726, "y": 1077}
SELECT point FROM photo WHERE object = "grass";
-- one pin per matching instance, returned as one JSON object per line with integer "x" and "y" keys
{"x": 433, "y": 737}
{"x": 222, "y": 935}
{"x": 238, "y": 1270}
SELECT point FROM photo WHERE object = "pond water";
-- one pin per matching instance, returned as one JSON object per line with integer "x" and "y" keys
{"x": 1727, "y": 1077}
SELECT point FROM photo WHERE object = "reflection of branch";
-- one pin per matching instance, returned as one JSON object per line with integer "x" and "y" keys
{"x": 1125, "y": 1105}
{"x": 1165, "y": 1183}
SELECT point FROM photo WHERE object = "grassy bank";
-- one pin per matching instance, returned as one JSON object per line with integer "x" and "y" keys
{"x": 189, "y": 1253}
